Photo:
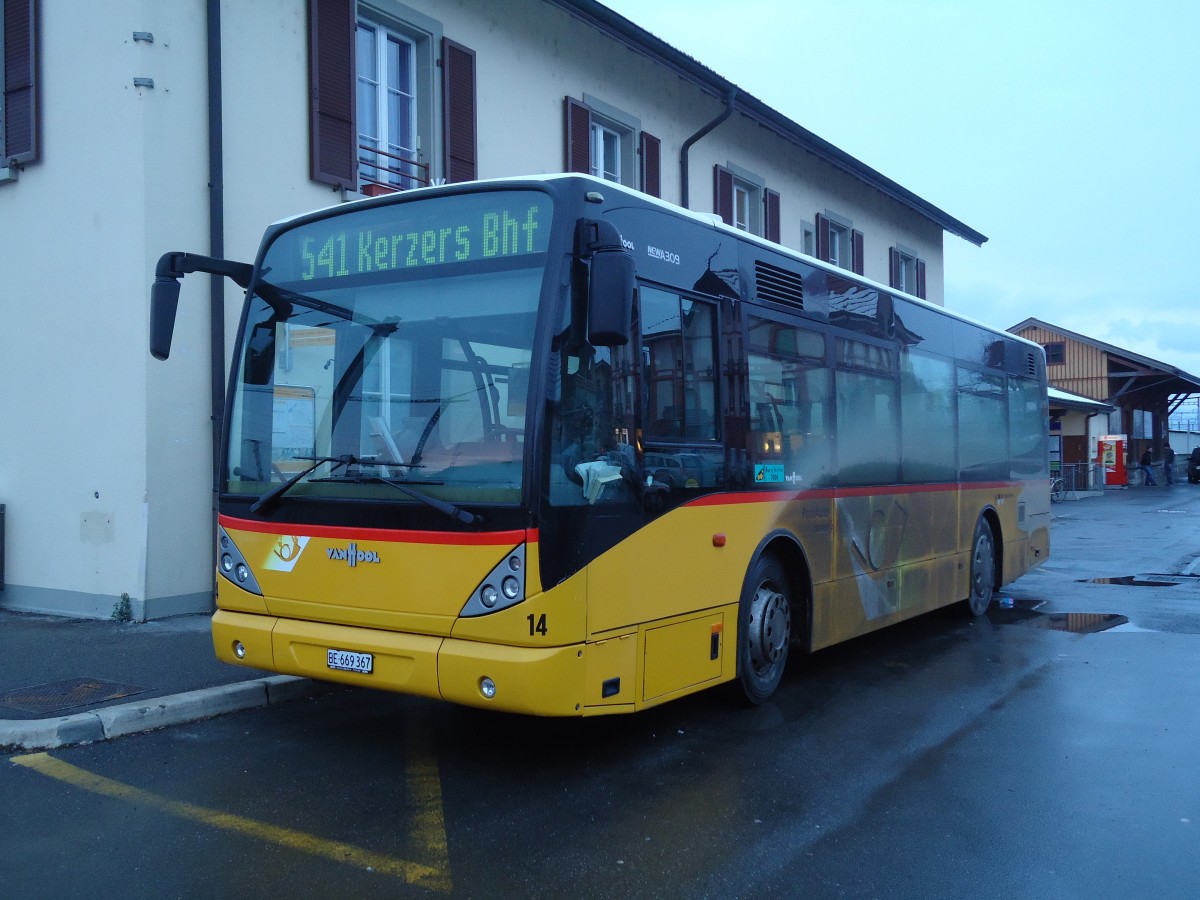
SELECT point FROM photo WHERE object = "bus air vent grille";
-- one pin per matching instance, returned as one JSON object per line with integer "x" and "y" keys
{"x": 778, "y": 285}
{"x": 1032, "y": 366}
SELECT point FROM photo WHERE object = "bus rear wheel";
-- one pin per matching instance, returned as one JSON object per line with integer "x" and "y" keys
{"x": 983, "y": 569}
{"x": 764, "y": 629}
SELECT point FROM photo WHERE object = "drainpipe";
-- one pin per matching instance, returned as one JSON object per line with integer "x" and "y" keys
{"x": 687, "y": 145}
{"x": 216, "y": 243}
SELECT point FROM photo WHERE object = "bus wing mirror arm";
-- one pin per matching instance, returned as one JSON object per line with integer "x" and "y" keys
{"x": 164, "y": 293}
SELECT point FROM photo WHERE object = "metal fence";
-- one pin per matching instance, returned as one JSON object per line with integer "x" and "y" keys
{"x": 1079, "y": 477}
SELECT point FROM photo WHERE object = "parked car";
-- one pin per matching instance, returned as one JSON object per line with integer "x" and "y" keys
{"x": 1194, "y": 466}
{"x": 679, "y": 470}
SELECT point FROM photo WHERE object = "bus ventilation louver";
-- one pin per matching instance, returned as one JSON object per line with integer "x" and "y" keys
{"x": 1032, "y": 366}
{"x": 778, "y": 285}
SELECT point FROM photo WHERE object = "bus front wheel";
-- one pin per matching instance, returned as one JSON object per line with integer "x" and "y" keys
{"x": 764, "y": 629}
{"x": 983, "y": 569}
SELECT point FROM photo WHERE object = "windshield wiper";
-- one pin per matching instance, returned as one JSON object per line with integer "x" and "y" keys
{"x": 457, "y": 513}
{"x": 267, "y": 503}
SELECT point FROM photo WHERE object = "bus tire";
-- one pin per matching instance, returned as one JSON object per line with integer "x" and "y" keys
{"x": 764, "y": 629}
{"x": 983, "y": 569}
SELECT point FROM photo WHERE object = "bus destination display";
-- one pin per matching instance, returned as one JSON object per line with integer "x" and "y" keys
{"x": 423, "y": 233}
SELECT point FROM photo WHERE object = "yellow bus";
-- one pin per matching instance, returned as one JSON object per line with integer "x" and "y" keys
{"x": 550, "y": 446}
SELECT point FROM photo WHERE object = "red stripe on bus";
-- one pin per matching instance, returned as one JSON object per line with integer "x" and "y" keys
{"x": 480, "y": 539}
{"x": 837, "y": 493}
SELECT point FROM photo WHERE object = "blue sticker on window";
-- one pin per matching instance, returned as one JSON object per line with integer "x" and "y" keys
{"x": 770, "y": 473}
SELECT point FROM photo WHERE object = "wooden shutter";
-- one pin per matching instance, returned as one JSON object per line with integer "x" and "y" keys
{"x": 893, "y": 267}
{"x": 20, "y": 126}
{"x": 649, "y": 148}
{"x": 333, "y": 130}
{"x": 771, "y": 215}
{"x": 723, "y": 194}
{"x": 856, "y": 252}
{"x": 921, "y": 278}
{"x": 458, "y": 112}
{"x": 822, "y": 238}
{"x": 577, "y": 142}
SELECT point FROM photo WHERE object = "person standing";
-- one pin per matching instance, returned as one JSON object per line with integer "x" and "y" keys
{"x": 1147, "y": 459}
{"x": 1168, "y": 464}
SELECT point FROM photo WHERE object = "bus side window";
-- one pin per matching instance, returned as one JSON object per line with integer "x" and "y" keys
{"x": 789, "y": 402}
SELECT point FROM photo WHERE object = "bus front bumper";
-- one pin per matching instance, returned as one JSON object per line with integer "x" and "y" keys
{"x": 530, "y": 680}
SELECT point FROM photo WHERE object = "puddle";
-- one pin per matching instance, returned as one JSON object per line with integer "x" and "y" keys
{"x": 1008, "y": 611}
{"x": 1139, "y": 580}
{"x": 1079, "y": 623}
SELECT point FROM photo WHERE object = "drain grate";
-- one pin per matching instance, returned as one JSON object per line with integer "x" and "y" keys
{"x": 57, "y": 696}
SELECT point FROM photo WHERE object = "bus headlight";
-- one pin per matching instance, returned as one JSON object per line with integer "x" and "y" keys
{"x": 233, "y": 566}
{"x": 487, "y": 687}
{"x": 503, "y": 587}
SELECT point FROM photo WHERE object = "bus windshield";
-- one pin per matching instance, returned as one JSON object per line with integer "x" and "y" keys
{"x": 393, "y": 343}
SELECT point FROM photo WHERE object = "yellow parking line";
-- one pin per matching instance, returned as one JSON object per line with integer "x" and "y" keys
{"x": 429, "y": 832}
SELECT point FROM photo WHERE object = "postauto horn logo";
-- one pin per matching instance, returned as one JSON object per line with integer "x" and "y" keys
{"x": 352, "y": 555}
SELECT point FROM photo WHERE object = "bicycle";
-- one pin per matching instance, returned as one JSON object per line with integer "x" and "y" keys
{"x": 1057, "y": 490}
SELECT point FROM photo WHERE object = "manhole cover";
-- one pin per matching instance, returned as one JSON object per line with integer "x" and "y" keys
{"x": 57, "y": 696}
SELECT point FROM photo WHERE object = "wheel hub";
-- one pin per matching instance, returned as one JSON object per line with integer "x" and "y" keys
{"x": 770, "y": 627}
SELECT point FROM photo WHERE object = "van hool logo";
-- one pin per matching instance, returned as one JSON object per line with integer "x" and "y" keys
{"x": 352, "y": 555}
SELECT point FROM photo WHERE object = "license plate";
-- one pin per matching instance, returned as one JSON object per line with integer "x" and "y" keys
{"x": 349, "y": 661}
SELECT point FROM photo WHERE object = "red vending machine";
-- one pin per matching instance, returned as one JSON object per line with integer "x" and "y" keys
{"x": 1111, "y": 454}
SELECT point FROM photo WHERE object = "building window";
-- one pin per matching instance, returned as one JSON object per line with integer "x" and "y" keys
{"x": 608, "y": 143}
{"x": 388, "y": 146}
{"x": 741, "y": 199}
{"x": 906, "y": 272}
{"x": 1056, "y": 353}
{"x": 374, "y": 79}
{"x": 742, "y": 204}
{"x": 839, "y": 243}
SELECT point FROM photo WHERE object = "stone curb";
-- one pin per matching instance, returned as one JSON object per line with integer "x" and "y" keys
{"x": 147, "y": 715}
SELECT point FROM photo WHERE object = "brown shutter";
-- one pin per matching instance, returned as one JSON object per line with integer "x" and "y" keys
{"x": 458, "y": 112}
{"x": 822, "y": 238}
{"x": 333, "y": 131}
{"x": 649, "y": 149}
{"x": 856, "y": 252}
{"x": 921, "y": 278}
{"x": 771, "y": 215}
{"x": 577, "y": 141}
{"x": 893, "y": 267}
{"x": 20, "y": 126}
{"x": 723, "y": 194}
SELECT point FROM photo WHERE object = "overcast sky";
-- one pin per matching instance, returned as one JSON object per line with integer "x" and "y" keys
{"x": 1068, "y": 132}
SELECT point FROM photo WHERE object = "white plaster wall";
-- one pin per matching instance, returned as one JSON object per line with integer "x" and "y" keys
{"x": 72, "y": 449}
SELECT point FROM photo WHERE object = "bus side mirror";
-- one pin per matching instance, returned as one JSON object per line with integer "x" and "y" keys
{"x": 164, "y": 302}
{"x": 610, "y": 289}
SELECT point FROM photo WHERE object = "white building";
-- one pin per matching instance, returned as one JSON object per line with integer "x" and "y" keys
{"x": 129, "y": 128}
